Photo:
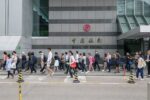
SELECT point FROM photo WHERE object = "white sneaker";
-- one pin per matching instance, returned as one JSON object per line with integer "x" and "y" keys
{"x": 87, "y": 72}
{"x": 103, "y": 70}
{"x": 52, "y": 73}
{"x": 142, "y": 79}
{"x": 137, "y": 78}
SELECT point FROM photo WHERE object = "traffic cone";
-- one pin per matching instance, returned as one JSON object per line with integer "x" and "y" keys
{"x": 131, "y": 78}
{"x": 20, "y": 77}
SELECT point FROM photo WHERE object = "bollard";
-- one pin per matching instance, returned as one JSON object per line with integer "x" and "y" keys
{"x": 76, "y": 80}
{"x": 20, "y": 80}
{"x": 20, "y": 77}
{"x": 20, "y": 92}
{"x": 131, "y": 78}
{"x": 148, "y": 91}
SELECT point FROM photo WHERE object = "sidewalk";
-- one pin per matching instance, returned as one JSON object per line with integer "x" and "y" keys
{"x": 94, "y": 73}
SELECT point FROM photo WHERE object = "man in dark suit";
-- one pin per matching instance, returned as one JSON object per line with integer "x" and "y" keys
{"x": 97, "y": 61}
{"x": 33, "y": 62}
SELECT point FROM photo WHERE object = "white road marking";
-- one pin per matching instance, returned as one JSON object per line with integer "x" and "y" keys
{"x": 46, "y": 83}
{"x": 68, "y": 79}
{"x": 3, "y": 77}
{"x": 42, "y": 78}
{"x": 82, "y": 79}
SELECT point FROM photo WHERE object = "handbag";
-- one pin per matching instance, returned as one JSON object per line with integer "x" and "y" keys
{"x": 143, "y": 64}
{"x": 130, "y": 62}
{"x": 13, "y": 65}
{"x": 56, "y": 64}
{"x": 73, "y": 65}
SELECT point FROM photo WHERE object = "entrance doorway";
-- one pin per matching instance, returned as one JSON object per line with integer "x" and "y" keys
{"x": 132, "y": 45}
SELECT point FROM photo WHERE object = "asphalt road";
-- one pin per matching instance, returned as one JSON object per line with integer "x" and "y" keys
{"x": 62, "y": 88}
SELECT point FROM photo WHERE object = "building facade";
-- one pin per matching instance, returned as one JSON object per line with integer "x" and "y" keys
{"x": 83, "y": 25}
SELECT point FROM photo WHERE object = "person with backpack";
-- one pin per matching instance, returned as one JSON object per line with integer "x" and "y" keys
{"x": 62, "y": 61}
{"x": 24, "y": 60}
{"x": 140, "y": 67}
{"x": 33, "y": 62}
{"x": 28, "y": 61}
{"x": 129, "y": 62}
{"x": 43, "y": 60}
{"x": 80, "y": 62}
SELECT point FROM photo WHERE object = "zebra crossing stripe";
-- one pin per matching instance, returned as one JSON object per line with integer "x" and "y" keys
{"x": 3, "y": 77}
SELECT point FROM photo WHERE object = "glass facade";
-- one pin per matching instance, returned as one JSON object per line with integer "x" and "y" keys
{"x": 40, "y": 18}
{"x": 133, "y": 13}
{"x": 129, "y": 7}
{"x": 121, "y": 7}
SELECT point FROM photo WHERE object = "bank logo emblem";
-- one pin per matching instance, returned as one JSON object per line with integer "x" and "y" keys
{"x": 86, "y": 28}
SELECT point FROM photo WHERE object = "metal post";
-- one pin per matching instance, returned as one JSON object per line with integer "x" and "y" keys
{"x": 148, "y": 91}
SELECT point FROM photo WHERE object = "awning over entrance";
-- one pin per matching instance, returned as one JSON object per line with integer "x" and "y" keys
{"x": 9, "y": 43}
{"x": 142, "y": 31}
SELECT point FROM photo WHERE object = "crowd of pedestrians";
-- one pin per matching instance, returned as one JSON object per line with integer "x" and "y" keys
{"x": 73, "y": 62}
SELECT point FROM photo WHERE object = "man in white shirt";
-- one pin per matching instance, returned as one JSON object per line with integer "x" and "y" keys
{"x": 109, "y": 62}
{"x": 49, "y": 61}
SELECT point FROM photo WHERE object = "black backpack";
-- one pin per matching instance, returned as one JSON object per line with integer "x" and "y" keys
{"x": 34, "y": 59}
{"x": 45, "y": 59}
{"x": 18, "y": 60}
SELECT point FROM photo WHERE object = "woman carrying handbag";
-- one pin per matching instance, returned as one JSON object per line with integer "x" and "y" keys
{"x": 73, "y": 65}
